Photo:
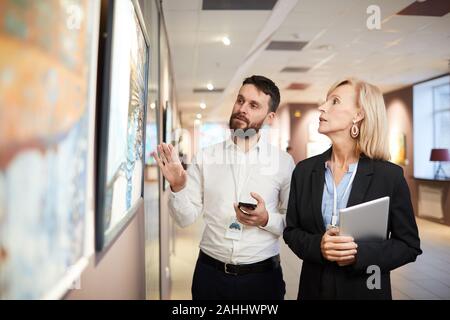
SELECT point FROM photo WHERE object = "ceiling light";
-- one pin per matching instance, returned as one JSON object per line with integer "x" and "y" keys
{"x": 210, "y": 87}
{"x": 226, "y": 41}
{"x": 152, "y": 105}
{"x": 199, "y": 116}
{"x": 203, "y": 105}
{"x": 297, "y": 114}
{"x": 197, "y": 122}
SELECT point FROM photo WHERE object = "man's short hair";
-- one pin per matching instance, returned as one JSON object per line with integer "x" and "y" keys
{"x": 268, "y": 87}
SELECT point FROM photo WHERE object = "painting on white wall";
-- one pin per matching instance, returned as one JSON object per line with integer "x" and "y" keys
{"x": 122, "y": 126}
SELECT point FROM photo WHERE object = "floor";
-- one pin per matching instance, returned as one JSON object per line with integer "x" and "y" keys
{"x": 427, "y": 278}
{"x": 152, "y": 240}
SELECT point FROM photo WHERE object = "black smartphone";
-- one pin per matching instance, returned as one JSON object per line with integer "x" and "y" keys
{"x": 246, "y": 205}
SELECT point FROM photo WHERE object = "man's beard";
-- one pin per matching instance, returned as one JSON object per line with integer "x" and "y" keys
{"x": 249, "y": 131}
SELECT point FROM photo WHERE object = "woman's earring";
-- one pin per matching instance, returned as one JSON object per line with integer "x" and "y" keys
{"x": 354, "y": 131}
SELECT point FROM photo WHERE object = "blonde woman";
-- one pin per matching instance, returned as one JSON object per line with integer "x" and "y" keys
{"x": 357, "y": 167}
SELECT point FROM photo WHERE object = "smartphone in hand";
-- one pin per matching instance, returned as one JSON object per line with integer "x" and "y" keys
{"x": 245, "y": 205}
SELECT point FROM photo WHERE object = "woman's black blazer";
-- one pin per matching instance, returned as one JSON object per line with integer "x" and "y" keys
{"x": 321, "y": 278}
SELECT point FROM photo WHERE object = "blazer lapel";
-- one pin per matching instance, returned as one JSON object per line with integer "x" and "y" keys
{"x": 361, "y": 182}
{"x": 318, "y": 182}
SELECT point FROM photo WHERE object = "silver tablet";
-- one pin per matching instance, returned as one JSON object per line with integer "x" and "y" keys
{"x": 366, "y": 221}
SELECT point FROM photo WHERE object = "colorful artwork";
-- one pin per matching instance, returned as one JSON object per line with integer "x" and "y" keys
{"x": 122, "y": 162}
{"x": 47, "y": 95}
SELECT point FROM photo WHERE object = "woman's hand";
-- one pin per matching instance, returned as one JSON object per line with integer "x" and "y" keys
{"x": 339, "y": 249}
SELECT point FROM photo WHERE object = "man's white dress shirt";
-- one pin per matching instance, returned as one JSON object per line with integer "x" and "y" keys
{"x": 211, "y": 191}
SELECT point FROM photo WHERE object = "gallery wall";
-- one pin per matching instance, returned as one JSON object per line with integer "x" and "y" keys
{"x": 302, "y": 117}
{"x": 129, "y": 268}
{"x": 399, "y": 107}
{"x": 120, "y": 272}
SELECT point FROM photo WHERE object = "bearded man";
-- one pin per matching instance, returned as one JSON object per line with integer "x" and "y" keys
{"x": 239, "y": 251}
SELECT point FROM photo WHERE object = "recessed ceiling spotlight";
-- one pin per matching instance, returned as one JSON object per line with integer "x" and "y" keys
{"x": 203, "y": 105}
{"x": 199, "y": 116}
{"x": 210, "y": 87}
{"x": 152, "y": 106}
{"x": 226, "y": 41}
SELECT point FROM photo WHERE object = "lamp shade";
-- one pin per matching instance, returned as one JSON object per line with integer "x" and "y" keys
{"x": 439, "y": 155}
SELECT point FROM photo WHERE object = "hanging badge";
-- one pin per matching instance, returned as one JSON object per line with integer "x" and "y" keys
{"x": 234, "y": 229}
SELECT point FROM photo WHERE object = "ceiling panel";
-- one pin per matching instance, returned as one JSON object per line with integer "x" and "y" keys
{"x": 181, "y": 21}
{"x": 184, "y": 5}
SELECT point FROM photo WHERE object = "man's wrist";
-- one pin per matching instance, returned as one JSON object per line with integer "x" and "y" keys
{"x": 266, "y": 221}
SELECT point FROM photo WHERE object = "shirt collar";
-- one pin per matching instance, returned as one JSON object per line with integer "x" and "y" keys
{"x": 351, "y": 166}
{"x": 229, "y": 144}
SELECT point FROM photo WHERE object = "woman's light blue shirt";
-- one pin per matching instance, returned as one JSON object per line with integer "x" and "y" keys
{"x": 327, "y": 198}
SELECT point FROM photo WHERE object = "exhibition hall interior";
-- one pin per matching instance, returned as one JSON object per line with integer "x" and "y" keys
{"x": 89, "y": 88}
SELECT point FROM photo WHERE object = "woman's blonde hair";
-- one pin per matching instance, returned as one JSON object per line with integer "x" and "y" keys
{"x": 373, "y": 137}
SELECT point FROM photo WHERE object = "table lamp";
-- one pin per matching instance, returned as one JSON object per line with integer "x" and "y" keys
{"x": 440, "y": 155}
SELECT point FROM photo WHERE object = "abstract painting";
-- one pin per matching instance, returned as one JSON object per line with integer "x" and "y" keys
{"x": 122, "y": 128}
{"x": 47, "y": 97}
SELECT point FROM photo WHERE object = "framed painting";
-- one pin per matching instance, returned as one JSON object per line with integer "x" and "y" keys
{"x": 48, "y": 61}
{"x": 168, "y": 123}
{"x": 121, "y": 121}
{"x": 167, "y": 133}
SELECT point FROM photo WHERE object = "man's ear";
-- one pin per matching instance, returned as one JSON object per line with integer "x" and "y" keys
{"x": 269, "y": 118}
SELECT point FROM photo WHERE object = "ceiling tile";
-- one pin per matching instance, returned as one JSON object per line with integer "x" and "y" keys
{"x": 286, "y": 45}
